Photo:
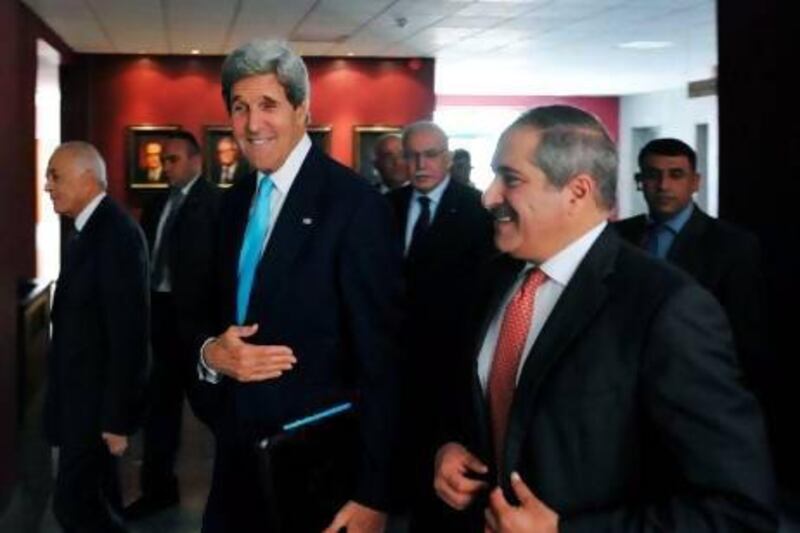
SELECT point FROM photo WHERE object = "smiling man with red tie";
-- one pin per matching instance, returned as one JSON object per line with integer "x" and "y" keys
{"x": 603, "y": 392}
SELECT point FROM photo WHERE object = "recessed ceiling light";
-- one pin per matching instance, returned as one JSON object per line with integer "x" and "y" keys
{"x": 195, "y": 51}
{"x": 646, "y": 45}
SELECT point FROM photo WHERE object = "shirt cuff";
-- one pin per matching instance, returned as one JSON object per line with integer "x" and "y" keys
{"x": 205, "y": 372}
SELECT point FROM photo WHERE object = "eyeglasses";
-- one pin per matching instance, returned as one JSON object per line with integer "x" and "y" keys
{"x": 430, "y": 153}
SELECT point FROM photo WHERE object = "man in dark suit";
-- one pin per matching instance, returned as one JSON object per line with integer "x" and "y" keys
{"x": 723, "y": 258}
{"x": 446, "y": 235}
{"x": 604, "y": 393}
{"x": 180, "y": 228}
{"x": 98, "y": 360}
{"x": 310, "y": 303}
{"x": 229, "y": 167}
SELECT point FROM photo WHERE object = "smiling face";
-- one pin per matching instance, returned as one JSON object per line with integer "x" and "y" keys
{"x": 266, "y": 126}
{"x": 531, "y": 215}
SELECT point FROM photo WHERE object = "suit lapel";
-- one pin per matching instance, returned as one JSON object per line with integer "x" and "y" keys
{"x": 578, "y": 305}
{"x": 402, "y": 202}
{"x": 682, "y": 252}
{"x": 293, "y": 226}
{"x": 436, "y": 236}
{"x": 77, "y": 252}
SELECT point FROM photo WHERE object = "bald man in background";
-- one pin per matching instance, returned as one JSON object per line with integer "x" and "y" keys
{"x": 97, "y": 363}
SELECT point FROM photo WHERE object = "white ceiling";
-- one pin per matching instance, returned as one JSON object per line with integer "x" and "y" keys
{"x": 481, "y": 46}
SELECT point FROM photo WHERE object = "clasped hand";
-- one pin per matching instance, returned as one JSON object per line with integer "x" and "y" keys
{"x": 455, "y": 482}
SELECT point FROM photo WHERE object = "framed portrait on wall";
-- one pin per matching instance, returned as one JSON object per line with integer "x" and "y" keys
{"x": 223, "y": 162}
{"x": 145, "y": 144}
{"x": 321, "y": 136}
{"x": 364, "y": 138}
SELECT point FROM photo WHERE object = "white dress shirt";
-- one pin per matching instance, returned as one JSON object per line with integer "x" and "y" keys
{"x": 86, "y": 212}
{"x": 559, "y": 270}
{"x": 166, "y": 284}
{"x": 282, "y": 179}
{"x": 414, "y": 208}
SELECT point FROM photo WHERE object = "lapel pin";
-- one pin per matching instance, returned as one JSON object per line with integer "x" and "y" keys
{"x": 307, "y": 221}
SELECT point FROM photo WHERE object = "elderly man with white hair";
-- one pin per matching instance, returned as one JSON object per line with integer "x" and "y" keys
{"x": 98, "y": 358}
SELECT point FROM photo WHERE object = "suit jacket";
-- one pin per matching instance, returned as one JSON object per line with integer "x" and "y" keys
{"x": 726, "y": 261}
{"x": 628, "y": 414}
{"x": 440, "y": 280}
{"x": 329, "y": 286}
{"x": 240, "y": 172}
{"x": 192, "y": 254}
{"x": 97, "y": 364}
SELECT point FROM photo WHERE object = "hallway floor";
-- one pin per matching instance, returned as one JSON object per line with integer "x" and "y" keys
{"x": 29, "y": 510}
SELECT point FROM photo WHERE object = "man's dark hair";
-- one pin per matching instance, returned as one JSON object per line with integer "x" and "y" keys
{"x": 669, "y": 147}
{"x": 191, "y": 142}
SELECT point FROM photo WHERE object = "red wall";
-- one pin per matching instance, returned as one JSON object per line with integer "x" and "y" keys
{"x": 19, "y": 30}
{"x": 117, "y": 91}
{"x": 606, "y": 108}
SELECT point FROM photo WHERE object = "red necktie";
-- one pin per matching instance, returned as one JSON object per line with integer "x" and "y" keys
{"x": 507, "y": 355}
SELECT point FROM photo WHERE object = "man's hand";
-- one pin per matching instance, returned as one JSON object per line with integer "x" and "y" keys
{"x": 357, "y": 518}
{"x": 231, "y": 356}
{"x": 453, "y": 463}
{"x": 117, "y": 444}
{"x": 532, "y": 516}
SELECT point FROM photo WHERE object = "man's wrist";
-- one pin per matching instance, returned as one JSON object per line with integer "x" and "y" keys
{"x": 204, "y": 370}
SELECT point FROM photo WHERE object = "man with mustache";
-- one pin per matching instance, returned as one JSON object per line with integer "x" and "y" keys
{"x": 446, "y": 235}
{"x": 602, "y": 393}
{"x": 723, "y": 258}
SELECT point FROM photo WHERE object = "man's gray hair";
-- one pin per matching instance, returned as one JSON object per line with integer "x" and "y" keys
{"x": 573, "y": 142}
{"x": 423, "y": 125}
{"x": 260, "y": 57}
{"x": 87, "y": 157}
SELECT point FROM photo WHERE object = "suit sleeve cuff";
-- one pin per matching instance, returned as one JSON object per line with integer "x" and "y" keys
{"x": 205, "y": 372}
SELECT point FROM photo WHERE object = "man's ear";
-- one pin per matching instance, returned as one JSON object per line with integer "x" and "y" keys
{"x": 697, "y": 180}
{"x": 581, "y": 187}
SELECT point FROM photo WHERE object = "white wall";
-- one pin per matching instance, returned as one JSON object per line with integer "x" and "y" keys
{"x": 673, "y": 114}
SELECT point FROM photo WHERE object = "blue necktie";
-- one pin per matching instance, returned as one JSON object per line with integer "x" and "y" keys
{"x": 660, "y": 240}
{"x": 250, "y": 254}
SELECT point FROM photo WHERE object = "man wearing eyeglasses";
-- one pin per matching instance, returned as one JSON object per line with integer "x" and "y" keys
{"x": 445, "y": 234}
{"x": 721, "y": 257}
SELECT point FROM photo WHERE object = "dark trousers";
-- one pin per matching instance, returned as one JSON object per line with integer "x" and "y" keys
{"x": 86, "y": 489}
{"x": 162, "y": 426}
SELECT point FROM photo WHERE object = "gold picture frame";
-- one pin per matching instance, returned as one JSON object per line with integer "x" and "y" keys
{"x": 145, "y": 142}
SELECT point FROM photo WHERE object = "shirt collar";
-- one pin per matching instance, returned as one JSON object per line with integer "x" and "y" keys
{"x": 434, "y": 194}
{"x": 188, "y": 187}
{"x": 283, "y": 178}
{"x": 562, "y": 266}
{"x": 677, "y": 221}
{"x": 83, "y": 217}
